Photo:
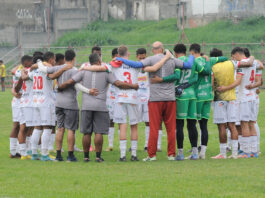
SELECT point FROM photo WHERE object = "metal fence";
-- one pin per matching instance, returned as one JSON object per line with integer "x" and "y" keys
{"x": 256, "y": 49}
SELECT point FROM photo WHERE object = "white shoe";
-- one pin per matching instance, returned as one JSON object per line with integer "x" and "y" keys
{"x": 202, "y": 156}
{"x": 149, "y": 159}
{"x": 233, "y": 156}
{"x": 219, "y": 156}
{"x": 171, "y": 158}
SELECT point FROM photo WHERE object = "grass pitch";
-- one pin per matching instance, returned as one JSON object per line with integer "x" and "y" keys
{"x": 201, "y": 178}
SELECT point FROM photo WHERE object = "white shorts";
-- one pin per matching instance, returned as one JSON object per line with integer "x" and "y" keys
{"x": 122, "y": 110}
{"x": 27, "y": 113}
{"x": 225, "y": 111}
{"x": 110, "y": 105}
{"x": 247, "y": 111}
{"x": 143, "y": 113}
{"x": 16, "y": 114}
{"x": 44, "y": 116}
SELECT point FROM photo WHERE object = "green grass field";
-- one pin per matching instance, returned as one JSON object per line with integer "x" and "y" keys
{"x": 201, "y": 178}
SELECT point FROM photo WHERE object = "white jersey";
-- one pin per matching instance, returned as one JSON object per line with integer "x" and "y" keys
{"x": 15, "y": 101}
{"x": 43, "y": 94}
{"x": 126, "y": 74}
{"x": 26, "y": 98}
{"x": 248, "y": 77}
{"x": 144, "y": 89}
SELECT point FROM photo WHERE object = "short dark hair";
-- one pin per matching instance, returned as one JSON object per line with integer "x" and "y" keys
{"x": 37, "y": 56}
{"x": 37, "y": 53}
{"x": 180, "y": 49}
{"x": 114, "y": 52}
{"x": 1, "y": 61}
{"x": 246, "y": 52}
{"x": 141, "y": 51}
{"x": 237, "y": 50}
{"x": 69, "y": 55}
{"x": 59, "y": 57}
{"x": 195, "y": 47}
{"x": 216, "y": 52}
{"x": 95, "y": 48}
{"x": 94, "y": 58}
{"x": 26, "y": 58}
{"x": 47, "y": 56}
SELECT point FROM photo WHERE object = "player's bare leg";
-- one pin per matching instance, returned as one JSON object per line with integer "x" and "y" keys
{"x": 123, "y": 141}
{"x": 71, "y": 143}
{"x": 253, "y": 139}
{"x": 86, "y": 146}
{"x": 98, "y": 146}
{"x": 245, "y": 144}
{"x": 134, "y": 141}
{"x": 222, "y": 140}
{"x": 59, "y": 143}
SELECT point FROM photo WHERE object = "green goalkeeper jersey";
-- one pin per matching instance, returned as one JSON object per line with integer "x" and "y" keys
{"x": 204, "y": 91}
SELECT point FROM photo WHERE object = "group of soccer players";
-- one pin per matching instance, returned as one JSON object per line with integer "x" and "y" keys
{"x": 154, "y": 89}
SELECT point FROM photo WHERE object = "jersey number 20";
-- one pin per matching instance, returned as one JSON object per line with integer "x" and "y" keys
{"x": 38, "y": 82}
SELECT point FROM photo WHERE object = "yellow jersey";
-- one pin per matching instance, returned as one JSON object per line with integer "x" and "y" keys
{"x": 3, "y": 71}
{"x": 224, "y": 75}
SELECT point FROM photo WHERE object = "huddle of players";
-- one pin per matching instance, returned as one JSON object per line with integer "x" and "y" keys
{"x": 36, "y": 107}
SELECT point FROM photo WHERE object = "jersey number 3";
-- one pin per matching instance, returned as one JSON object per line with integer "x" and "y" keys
{"x": 128, "y": 77}
{"x": 38, "y": 82}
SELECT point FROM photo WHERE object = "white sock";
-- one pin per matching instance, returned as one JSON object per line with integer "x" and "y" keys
{"x": 258, "y": 135}
{"x": 134, "y": 147}
{"x": 28, "y": 143}
{"x": 240, "y": 141}
{"x": 111, "y": 136}
{"x": 246, "y": 144}
{"x": 147, "y": 131}
{"x": 45, "y": 138}
{"x": 228, "y": 138}
{"x": 123, "y": 144}
{"x": 35, "y": 138}
{"x": 13, "y": 146}
{"x": 194, "y": 150}
{"x": 223, "y": 149}
{"x": 23, "y": 149}
{"x": 180, "y": 151}
{"x": 203, "y": 149}
{"x": 160, "y": 133}
{"x": 254, "y": 144}
{"x": 51, "y": 142}
{"x": 234, "y": 147}
{"x": 17, "y": 151}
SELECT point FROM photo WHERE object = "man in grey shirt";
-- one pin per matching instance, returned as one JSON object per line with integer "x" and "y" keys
{"x": 94, "y": 112}
{"x": 162, "y": 103}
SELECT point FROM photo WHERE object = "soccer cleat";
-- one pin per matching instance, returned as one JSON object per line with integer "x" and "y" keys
{"x": 71, "y": 159}
{"x": 99, "y": 160}
{"x": 29, "y": 152}
{"x": 145, "y": 149}
{"x": 171, "y": 158}
{"x": 240, "y": 152}
{"x": 17, "y": 155}
{"x": 35, "y": 157}
{"x": 180, "y": 157}
{"x": 256, "y": 155}
{"x": 193, "y": 157}
{"x": 219, "y": 156}
{"x": 59, "y": 159}
{"x": 233, "y": 156}
{"x": 134, "y": 159}
{"x": 244, "y": 155}
{"x": 25, "y": 157}
{"x": 149, "y": 159}
{"x": 52, "y": 157}
{"x": 202, "y": 156}
{"x": 109, "y": 149}
{"x": 86, "y": 160}
{"x": 78, "y": 149}
{"x": 122, "y": 159}
{"x": 46, "y": 158}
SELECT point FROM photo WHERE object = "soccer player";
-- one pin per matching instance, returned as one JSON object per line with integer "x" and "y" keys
{"x": 43, "y": 109}
{"x": 162, "y": 104}
{"x": 3, "y": 74}
{"x": 59, "y": 59}
{"x": 25, "y": 104}
{"x": 94, "y": 114}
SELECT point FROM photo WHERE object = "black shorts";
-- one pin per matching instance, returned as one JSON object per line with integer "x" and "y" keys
{"x": 67, "y": 118}
{"x": 94, "y": 121}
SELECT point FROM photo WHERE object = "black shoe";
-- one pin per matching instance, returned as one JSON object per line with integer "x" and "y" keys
{"x": 99, "y": 160}
{"x": 134, "y": 159}
{"x": 123, "y": 159}
{"x": 71, "y": 159}
{"x": 59, "y": 158}
{"x": 130, "y": 150}
{"x": 86, "y": 160}
{"x": 145, "y": 149}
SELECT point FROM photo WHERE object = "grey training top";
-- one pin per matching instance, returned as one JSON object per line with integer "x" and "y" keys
{"x": 67, "y": 98}
{"x": 98, "y": 80}
{"x": 162, "y": 91}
